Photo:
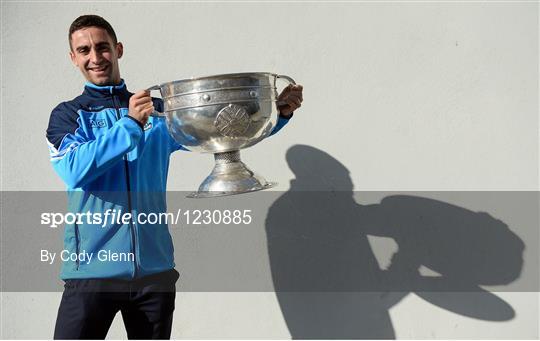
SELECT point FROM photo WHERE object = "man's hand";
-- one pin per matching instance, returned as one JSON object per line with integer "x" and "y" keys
{"x": 290, "y": 99}
{"x": 141, "y": 106}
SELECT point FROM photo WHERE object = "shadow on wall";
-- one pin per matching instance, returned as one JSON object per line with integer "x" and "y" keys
{"x": 327, "y": 279}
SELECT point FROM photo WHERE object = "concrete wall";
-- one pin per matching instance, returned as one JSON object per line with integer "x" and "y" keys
{"x": 434, "y": 96}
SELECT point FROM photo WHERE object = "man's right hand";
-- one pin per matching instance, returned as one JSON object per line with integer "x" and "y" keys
{"x": 141, "y": 106}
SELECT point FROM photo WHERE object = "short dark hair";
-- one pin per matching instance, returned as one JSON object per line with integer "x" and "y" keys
{"x": 91, "y": 20}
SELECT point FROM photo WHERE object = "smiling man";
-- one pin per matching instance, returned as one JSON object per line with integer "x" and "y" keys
{"x": 114, "y": 157}
{"x": 95, "y": 52}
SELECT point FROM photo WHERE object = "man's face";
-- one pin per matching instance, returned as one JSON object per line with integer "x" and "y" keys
{"x": 96, "y": 55}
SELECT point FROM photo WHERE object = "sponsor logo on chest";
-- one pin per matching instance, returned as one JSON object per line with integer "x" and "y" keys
{"x": 98, "y": 123}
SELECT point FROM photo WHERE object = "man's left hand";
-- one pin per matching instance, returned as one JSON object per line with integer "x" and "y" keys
{"x": 290, "y": 99}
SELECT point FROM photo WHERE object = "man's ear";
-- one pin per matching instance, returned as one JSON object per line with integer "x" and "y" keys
{"x": 72, "y": 56}
{"x": 119, "y": 49}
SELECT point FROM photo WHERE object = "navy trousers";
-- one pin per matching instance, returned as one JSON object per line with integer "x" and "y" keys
{"x": 89, "y": 306}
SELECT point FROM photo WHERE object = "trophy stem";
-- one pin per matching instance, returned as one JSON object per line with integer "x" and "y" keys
{"x": 227, "y": 157}
{"x": 230, "y": 176}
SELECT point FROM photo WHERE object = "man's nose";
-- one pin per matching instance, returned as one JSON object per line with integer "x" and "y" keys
{"x": 95, "y": 56}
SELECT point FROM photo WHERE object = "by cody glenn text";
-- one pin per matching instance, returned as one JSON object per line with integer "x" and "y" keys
{"x": 86, "y": 257}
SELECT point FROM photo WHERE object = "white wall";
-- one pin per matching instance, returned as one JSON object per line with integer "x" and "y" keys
{"x": 408, "y": 96}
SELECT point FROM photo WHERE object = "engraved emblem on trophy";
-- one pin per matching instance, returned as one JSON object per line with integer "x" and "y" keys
{"x": 223, "y": 114}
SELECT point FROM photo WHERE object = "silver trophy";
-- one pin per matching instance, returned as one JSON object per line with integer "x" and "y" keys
{"x": 222, "y": 114}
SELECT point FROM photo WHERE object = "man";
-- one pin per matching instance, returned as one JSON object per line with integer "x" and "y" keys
{"x": 108, "y": 150}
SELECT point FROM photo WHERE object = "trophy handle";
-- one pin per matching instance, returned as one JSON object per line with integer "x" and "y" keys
{"x": 288, "y": 79}
{"x": 156, "y": 113}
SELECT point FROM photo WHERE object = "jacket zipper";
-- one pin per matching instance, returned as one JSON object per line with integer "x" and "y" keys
{"x": 131, "y": 227}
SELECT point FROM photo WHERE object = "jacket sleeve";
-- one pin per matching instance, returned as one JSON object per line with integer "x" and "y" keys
{"x": 282, "y": 121}
{"x": 77, "y": 159}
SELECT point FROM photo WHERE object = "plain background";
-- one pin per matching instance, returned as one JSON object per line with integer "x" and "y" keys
{"x": 408, "y": 96}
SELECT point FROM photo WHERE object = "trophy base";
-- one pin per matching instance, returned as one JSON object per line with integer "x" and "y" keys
{"x": 230, "y": 176}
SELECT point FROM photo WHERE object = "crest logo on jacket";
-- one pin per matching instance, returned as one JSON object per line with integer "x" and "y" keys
{"x": 148, "y": 125}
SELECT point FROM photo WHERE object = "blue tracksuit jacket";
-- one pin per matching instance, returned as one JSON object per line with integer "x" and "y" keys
{"x": 110, "y": 163}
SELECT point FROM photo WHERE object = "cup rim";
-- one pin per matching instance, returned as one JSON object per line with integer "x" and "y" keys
{"x": 238, "y": 74}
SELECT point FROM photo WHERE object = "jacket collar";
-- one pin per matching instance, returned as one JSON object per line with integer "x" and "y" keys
{"x": 102, "y": 91}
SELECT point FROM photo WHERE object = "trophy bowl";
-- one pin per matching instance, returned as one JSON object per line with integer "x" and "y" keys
{"x": 222, "y": 114}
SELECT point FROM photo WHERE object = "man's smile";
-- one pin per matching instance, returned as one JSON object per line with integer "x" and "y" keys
{"x": 98, "y": 69}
